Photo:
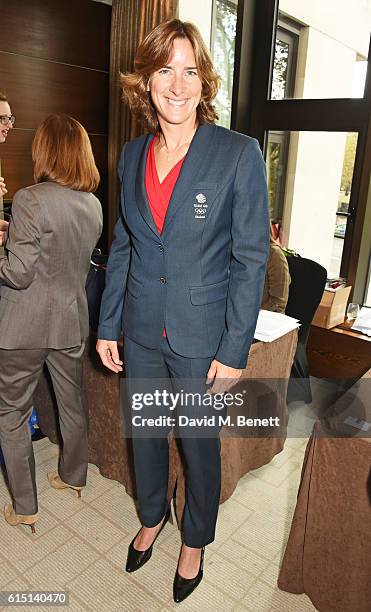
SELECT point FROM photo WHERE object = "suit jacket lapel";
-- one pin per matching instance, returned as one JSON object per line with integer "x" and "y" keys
{"x": 197, "y": 152}
{"x": 140, "y": 187}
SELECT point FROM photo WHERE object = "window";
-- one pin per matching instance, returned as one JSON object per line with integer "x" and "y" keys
{"x": 282, "y": 86}
{"x": 367, "y": 296}
{"x": 223, "y": 38}
{"x": 276, "y": 173}
{"x": 302, "y": 91}
{"x": 332, "y": 45}
{"x": 285, "y": 59}
{"x": 309, "y": 181}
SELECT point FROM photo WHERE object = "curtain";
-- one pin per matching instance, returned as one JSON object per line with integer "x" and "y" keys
{"x": 131, "y": 21}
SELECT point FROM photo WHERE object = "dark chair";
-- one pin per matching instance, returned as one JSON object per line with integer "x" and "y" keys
{"x": 95, "y": 286}
{"x": 308, "y": 280}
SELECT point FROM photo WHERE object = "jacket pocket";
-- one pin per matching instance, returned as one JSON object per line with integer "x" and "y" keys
{"x": 9, "y": 294}
{"x": 133, "y": 286}
{"x": 209, "y": 293}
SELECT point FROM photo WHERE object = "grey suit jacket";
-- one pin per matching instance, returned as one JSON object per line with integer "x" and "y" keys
{"x": 202, "y": 278}
{"x": 52, "y": 234}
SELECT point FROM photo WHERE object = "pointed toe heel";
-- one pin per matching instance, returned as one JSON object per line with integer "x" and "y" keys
{"x": 183, "y": 587}
{"x": 137, "y": 558}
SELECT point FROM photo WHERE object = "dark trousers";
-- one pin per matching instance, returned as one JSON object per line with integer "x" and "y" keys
{"x": 20, "y": 371}
{"x": 201, "y": 455}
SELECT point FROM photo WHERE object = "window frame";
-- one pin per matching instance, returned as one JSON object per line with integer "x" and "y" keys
{"x": 255, "y": 114}
{"x": 282, "y": 139}
{"x": 290, "y": 35}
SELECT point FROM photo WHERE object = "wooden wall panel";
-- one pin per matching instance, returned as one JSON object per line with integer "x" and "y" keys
{"x": 37, "y": 88}
{"x": 100, "y": 149}
{"x": 54, "y": 57}
{"x": 58, "y": 30}
{"x": 16, "y": 161}
{"x": 17, "y": 167}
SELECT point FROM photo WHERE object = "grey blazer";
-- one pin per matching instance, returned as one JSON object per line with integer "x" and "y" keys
{"x": 203, "y": 277}
{"x": 52, "y": 234}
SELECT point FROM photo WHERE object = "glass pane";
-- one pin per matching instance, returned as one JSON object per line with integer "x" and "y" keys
{"x": 321, "y": 49}
{"x": 223, "y": 47}
{"x": 367, "y": 300}
{"x": 309, "y": 183}
{"x": 199, "y": 13}
{"x": 280, "y": 70}
{"x": 276, "y": 156}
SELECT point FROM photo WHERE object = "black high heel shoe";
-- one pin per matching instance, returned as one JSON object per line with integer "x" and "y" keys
{"x": 137, "y": 558}
{"x": 185, "y": 586}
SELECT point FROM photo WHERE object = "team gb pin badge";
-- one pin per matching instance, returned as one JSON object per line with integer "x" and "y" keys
{"x": 201, "y": 207}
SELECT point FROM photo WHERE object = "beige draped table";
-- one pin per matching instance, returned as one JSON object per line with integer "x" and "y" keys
{"x": 112, "y": 453}
{"x": 328, "y": 554}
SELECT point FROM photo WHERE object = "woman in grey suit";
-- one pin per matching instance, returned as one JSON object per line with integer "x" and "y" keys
{"x": 54, "y": 228}
{"x": 185, "y": 275}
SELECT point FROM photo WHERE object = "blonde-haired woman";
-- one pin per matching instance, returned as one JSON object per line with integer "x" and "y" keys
{"x": 55, "y": 225}
{"x": 277, "y": 278}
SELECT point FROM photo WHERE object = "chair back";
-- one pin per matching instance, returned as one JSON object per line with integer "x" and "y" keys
{"x": 94, "y": 286}
{"x": 308, "y": 280}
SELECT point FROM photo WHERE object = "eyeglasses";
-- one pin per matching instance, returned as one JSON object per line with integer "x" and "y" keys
{"x": 5, "y": 119}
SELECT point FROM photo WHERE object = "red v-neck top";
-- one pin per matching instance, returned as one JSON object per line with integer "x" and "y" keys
{"x": 159, "y": 194}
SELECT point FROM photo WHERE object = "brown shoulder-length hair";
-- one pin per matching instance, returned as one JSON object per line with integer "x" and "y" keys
{"x": 61, "y": 152}
{"x": 152, "y": 54}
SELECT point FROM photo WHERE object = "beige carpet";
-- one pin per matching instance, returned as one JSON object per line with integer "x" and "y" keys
{"x": 80, "y": 545}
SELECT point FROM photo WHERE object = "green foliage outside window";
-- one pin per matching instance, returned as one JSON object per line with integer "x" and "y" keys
{"x": 223, "y": 56}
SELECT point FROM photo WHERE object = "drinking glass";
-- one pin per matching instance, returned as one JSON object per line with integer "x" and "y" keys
{"x": 352, "y": 311}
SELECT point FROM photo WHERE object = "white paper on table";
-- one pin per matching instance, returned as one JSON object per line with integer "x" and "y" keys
{"x": 273, "y": 325}
{"x": 363, "y": 321}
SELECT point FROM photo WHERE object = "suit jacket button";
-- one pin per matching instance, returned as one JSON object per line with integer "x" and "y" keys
{"x": 162, "y": 280}
{"x": 161, "y": 248}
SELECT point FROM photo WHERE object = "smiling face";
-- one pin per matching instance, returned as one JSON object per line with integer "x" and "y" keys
{"x": 176, "y": 88}
{"x": 4, "y": 129}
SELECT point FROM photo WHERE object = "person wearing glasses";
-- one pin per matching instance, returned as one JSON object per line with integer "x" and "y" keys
{"x": 7, "y": 120}
{"x": 6, "y": 123}
{"x": 185, "y": 272}
{"x": 54, "y": 228}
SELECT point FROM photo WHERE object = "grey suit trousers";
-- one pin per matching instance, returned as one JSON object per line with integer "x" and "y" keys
{"x": 20, "y": 371}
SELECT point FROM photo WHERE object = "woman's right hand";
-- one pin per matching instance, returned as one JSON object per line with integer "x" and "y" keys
{"x": 3, "y": 231}
{"x": 109, "y": 355}
{"x": 3, "y": 189}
